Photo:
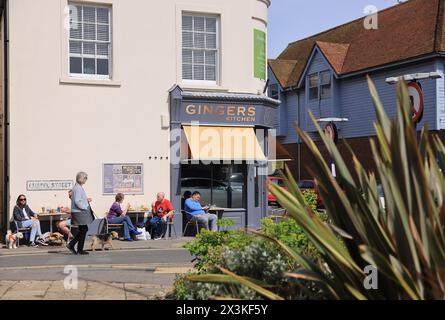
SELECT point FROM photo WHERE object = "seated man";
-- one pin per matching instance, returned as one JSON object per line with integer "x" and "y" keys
{"x": 193, "y": 207}
{"x": 162, "y": 210}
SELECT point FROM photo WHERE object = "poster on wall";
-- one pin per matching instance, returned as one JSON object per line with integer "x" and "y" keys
{"x": 123, "y": 178}
{"x": 259, "y": 44}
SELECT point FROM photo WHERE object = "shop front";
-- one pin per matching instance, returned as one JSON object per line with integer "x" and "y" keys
{"x": 220, "y": 147}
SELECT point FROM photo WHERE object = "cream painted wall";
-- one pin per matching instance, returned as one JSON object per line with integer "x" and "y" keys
{"x": 60, "y": 126}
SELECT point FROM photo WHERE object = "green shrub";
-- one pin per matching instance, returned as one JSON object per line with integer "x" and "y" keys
{"x": 291, "y": 234}
{"x": 255, "y": 260}
{"x": 207, "y": 246}
{"x": 311, "y": 199}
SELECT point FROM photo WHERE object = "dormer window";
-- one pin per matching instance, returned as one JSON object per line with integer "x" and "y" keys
{"x": 313, "y": 86}
{"x": 325, "y": 84}
{"x": 319, "y": 85}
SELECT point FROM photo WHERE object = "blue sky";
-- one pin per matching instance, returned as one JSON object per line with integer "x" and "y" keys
{"x": 291, "y": 20}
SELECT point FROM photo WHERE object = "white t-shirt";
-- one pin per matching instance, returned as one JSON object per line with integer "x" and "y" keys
{"x": 25, "y": 214}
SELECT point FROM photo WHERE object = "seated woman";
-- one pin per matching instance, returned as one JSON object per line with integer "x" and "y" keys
{"x": 26, "y": 218}
{"x": 64, "y": 226}
{"x": 116, "y": 216}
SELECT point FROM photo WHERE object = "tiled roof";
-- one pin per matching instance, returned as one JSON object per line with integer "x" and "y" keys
{"x": 408, "y": 30}
{"x": 335, "y": 53}
{"x": 283, "y": 69}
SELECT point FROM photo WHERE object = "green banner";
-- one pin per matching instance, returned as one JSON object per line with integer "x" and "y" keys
{"x": 259, "y": 45}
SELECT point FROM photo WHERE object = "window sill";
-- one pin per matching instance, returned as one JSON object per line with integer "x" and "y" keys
{"x": 190, "y": 86}
{"x": 90, "y": 82}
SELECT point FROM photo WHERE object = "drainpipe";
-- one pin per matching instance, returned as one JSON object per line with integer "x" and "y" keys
{"x": 299, "y": 124}
{"x": 5, "y": 221}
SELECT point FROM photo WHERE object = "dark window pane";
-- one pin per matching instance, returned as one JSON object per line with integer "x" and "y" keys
{"x": 313, "y": 81}
{"x": 89, "y": 66}
{"x": 313, "y": 93}
{"x": 325, "y": 80}
{"x": 102, "y": 66}
{"x": 75, "y": 65}
{"x": 326, "y": 91}
{"x": 273, "y": 91}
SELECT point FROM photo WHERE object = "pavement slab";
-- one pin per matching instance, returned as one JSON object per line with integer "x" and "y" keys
{"x": 27, "y": 290}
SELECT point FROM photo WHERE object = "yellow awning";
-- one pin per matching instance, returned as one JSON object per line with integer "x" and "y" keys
{"x": 223, "y": 143}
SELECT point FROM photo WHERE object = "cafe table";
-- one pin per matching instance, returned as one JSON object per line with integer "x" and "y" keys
{"x": 137, "y": 214}
{"x": 52, "y": 217}
{"x": 219, "y": 212}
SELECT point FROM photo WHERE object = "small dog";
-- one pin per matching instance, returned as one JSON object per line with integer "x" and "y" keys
{"x": 55, "y": 239}
{"x": 11, "y": 239}
{"x": 103, "y": 239}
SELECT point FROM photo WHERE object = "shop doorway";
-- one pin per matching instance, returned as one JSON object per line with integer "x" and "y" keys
{"x": 220, "y": 185}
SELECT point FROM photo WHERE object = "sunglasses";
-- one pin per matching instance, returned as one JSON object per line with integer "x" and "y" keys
{"x": 23, "y": 199}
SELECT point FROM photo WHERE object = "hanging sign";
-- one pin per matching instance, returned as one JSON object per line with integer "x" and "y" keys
{"x": 416, "y": 95}
{"x": 331, "y": 130}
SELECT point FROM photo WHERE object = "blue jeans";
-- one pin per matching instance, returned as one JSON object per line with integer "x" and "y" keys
{"x": 126, "y": 221}
{"x": 158, "y": 226}
{"x": 35, "y": 228}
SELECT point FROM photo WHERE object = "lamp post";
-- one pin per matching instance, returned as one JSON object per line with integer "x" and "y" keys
{"x": 332, "y": 130}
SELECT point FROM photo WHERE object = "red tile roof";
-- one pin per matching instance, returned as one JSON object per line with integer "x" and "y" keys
{"x": 412, "y": 29}
{"x": 335, "y": 53}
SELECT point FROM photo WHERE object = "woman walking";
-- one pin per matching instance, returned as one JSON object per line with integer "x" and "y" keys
{"x": 81, "y": 214}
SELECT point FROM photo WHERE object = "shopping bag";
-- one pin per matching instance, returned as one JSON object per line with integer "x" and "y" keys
{"x": 143, "y": 235}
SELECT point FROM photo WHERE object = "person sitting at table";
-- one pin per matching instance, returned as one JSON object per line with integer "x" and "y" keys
{"x": 162, "y": 210}
{"x": 194, "y": 208}
{"x": 117, "y": 215}
{"x": 26, "y": 218}
{"x": 64, "y": 226}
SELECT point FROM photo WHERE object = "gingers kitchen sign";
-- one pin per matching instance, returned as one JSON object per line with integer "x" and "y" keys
{"x": 238, "y": 113}
{"x": 227, "y": 114}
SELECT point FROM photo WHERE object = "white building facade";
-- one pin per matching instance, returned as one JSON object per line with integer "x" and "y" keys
{"x": 88, "y": 84}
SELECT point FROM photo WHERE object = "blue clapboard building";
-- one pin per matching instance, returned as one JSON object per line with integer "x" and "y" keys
{"x": 326, "y": 74}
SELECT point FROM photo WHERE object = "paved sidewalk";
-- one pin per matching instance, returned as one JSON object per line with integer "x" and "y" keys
{"x": 86, "y": 290}
{"x": 137, "y": 270}
{"x": 173, "y": 243}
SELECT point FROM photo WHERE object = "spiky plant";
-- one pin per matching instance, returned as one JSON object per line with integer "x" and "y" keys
{"x": 404, "y": 239}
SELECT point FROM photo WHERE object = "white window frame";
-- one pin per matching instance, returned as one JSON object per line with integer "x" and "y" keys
{"x": 95, "y": 56}
{"x": 218, "y": 50}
